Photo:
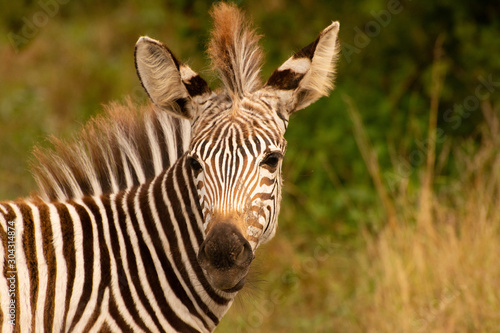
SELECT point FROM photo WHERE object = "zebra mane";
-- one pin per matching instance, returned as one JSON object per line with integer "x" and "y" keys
{"x": 234, "y": 50}
{"x": 126, "y": 146}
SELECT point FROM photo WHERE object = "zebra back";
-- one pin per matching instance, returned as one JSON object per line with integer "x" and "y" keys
{"x": 125, "y": 147}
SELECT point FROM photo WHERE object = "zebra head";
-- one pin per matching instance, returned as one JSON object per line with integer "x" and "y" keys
{"x": 238, "y": 143}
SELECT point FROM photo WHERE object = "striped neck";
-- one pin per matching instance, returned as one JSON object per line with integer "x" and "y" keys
{"x": 168, "y": 219}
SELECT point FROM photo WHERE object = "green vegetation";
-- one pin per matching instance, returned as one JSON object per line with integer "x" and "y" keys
{"x": 389, "y": 219}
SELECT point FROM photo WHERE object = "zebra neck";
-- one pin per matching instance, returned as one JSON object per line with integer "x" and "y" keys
{"x": 169, "y": 209}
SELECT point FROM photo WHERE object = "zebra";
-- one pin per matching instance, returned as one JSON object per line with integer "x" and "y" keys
{"x": 149, "y": 221}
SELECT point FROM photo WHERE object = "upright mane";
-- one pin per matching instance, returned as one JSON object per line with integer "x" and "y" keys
{"x": 234, "y": 50}
{"x": 126, "y": 146}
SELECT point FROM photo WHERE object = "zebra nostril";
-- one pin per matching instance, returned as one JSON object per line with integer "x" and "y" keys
{"x": 241, "y": 255}
{"x": 245, "y": 256}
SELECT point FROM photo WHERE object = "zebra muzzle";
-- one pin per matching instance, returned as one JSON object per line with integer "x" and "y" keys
{"x": 225, "y": 257}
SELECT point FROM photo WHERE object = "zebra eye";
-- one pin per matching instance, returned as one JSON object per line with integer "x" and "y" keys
{"x": 194, "y": 164}
{"x": 272, "y": 160}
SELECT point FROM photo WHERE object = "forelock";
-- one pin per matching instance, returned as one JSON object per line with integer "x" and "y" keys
{"x": 234, "y": 50}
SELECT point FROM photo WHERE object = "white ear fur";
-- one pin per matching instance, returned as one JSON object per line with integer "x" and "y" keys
{"x": 308, "y": 74}
{"x": 319, "y": 79}
{"x": 170, "y": 84}
{"x": 157, "y": 71}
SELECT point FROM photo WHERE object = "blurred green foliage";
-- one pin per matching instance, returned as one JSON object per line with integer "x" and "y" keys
{"x": 80, "y": 56}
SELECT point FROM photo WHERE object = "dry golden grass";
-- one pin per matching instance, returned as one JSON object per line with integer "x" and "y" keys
{"x": 444, "y": 281}
{"x": 436, "y": 267}
{"x": 439, "y": 273}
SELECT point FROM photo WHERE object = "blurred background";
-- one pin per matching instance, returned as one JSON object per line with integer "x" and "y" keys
{"x": 389, "y": 219}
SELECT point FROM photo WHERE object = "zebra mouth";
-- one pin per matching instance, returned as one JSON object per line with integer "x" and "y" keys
{"x": 226, "y": 281}
{"x": 225, "y": 257}
{"x": 237, "y": 287}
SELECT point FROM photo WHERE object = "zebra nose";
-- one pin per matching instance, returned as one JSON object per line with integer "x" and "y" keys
{"x": 225, "y": 256}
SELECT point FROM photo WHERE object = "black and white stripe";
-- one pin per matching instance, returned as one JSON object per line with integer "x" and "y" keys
{"x": 126, "y": 261}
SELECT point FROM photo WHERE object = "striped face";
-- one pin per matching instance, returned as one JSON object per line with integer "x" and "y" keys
{"x": 237, "y": 143}
{"x": 236, "y": 156}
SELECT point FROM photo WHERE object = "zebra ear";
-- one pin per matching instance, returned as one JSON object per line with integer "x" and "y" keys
{"x": 308, "y": 74}
{"x": 169, "y": 83}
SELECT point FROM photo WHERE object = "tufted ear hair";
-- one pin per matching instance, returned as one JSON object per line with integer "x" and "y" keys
{"x": 169, "y": 83}
{"x": 308, "y": 74}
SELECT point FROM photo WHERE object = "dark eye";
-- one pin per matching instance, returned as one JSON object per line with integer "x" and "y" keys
{"x": 272, "y": 160}
{"x": 194, "y": 164}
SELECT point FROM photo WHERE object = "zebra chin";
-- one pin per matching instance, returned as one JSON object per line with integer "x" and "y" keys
{"x": 225, "y": 257}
